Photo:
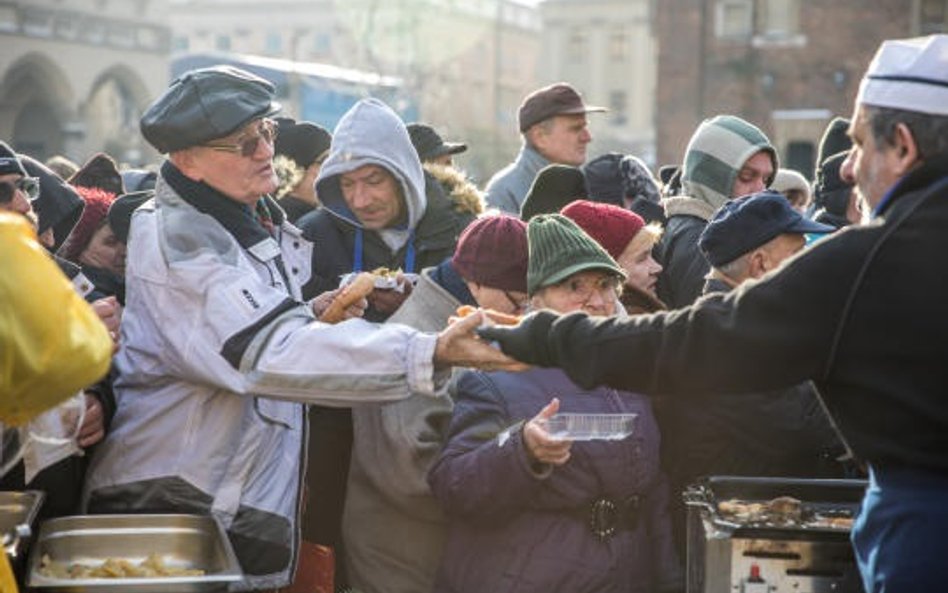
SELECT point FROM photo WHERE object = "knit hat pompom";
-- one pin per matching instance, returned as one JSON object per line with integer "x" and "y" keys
{"x": 94, "y": 215}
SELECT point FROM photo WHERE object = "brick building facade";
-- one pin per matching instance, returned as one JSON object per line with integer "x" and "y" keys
{"x": 788, "y": 66}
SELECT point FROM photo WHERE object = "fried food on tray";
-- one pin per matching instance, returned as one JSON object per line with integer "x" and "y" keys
{"x": 152, "y": 566}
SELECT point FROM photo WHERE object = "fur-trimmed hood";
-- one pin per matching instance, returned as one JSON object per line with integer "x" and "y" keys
{"x": 459, "y": 189}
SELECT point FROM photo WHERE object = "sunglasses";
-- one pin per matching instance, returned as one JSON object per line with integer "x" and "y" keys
{"x": 28, "y": 185}
{"x": 246, "y": 146}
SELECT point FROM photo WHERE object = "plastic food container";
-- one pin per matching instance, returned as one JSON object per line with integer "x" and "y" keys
{"x": 591, "y": 427}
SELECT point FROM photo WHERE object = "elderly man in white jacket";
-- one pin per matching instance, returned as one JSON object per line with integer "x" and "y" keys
{"x": 219, "y": 352}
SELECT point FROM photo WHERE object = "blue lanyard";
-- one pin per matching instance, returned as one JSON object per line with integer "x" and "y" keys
{"x": 357, "y": 252}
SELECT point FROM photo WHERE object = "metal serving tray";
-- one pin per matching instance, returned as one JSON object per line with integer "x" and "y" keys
{"x": 183, "y": 541}
{"x": 825, "y": 496}
{"x": 18, "y": 510}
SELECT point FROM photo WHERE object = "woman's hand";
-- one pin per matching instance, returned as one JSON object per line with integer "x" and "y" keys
{"x": 542, "y": 447}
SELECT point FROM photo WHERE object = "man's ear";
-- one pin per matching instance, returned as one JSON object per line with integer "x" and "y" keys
{"x": 905, "y": 150}
{"x": 184, "y": 160}
{"x": 757, "y": 263}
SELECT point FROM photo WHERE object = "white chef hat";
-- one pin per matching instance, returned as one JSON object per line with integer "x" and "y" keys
{"x": 908, "y": 74}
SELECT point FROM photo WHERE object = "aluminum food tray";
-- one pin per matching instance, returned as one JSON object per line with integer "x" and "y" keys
{"x": 824, "y": 496}
{"x": 183, "y": 541}
{"x": 18, "y": 510}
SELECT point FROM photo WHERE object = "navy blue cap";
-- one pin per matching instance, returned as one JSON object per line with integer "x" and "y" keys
{"x": 744, "y": 224}
{"x": 205, "y": 104}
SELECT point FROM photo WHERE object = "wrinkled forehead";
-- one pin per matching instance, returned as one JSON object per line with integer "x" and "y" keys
{"x": 366, "y": 172}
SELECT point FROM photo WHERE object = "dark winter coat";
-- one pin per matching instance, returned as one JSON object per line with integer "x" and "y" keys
{"x": 334, "y": 243}
{"x": 519, "y": 527}
{"x": 684, "y": 266}
{"x": 857, "y": 313}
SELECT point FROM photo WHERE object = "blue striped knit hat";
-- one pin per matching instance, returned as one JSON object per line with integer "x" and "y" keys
{"x": 717, "y": 151}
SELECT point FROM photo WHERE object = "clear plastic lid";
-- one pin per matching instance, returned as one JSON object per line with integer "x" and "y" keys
{"x": 591, "y": 427}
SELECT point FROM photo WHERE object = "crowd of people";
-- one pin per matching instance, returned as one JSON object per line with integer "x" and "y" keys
{"x": 755, "y": 323}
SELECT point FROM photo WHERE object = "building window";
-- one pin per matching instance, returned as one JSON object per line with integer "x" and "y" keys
{"x": 933, "y": 17}
{"x": 618, "y": 103}
{"x": 734, "y": 19}
{"x": 618, "y": 45}
{"x": 222, "y": 43}
{"x": 576, "y": 50}
{"x": 274, "y": 44}
{"x": 780, "y": 18}
{"x": 800, "y": 157}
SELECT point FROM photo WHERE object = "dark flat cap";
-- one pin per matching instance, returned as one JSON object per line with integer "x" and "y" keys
{"x": 746, "y": 223}
{"x": 302, "y": 142}
{"x": 205, "y": 104}
{"x": 429, "y": 144}
{"x": 555, "y": 186}
{"x": 556, "y": 99}
{"x": 121, "y": 210}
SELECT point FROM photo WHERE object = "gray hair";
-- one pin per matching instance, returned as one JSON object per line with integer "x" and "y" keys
{"x": 929, "y": 131}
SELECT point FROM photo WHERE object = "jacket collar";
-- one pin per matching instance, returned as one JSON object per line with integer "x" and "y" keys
{"x": 930, "y": 172}
{"x": 238, "y": 219}
{"x": 530, "y": 159}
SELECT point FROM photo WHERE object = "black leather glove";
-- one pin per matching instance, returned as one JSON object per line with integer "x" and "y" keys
{"x": 527, "y": 341}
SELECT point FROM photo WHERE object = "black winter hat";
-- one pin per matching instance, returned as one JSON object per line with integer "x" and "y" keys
{"x": 121, "y": 210}
{"x": 205, "y": 104}
{"x": 613, "y": 176}
{"x": 302, "y": 142}
{"x": 99, "y": 172}
{"x": 429, "y": 144}
{"x": 830, "y": 192}
{"x": 555, "y": 186}
{"x": 58, "y": 206}
{"x": 834, "y": 140}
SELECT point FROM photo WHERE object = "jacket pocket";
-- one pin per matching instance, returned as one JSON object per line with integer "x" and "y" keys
{"x": 286, "y": 414}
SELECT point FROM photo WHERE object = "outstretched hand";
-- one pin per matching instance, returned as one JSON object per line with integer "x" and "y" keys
{"x": 542, "y": 446}
{"x": 459, "y": 345}
{"x": 525, "y": 341}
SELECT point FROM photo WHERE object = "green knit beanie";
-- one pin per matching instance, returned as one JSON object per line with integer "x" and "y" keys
{"x": 558, "y": 249}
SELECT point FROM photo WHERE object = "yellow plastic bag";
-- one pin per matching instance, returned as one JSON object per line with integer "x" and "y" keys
{"x": 7, "y": 582}
{"x": 51, "y": 342}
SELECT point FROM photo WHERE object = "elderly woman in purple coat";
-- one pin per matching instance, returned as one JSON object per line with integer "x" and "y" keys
{"x": 532, "y": 513}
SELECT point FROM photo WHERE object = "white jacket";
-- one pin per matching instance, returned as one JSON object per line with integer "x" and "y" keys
{"x": 218, "y": 354}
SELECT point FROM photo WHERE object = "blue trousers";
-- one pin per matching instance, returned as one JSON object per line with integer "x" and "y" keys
{"x": 901, "y": 535}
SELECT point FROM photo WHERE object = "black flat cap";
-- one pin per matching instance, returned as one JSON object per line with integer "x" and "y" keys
{"x": 205, "y": 104}
{"x": 302, "y": 142}
{"x": 429, "y": 144}
{"x": 121, "y": 210}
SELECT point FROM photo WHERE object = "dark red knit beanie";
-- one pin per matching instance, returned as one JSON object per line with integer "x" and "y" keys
{"x": 94, "y": 215}
{"x": 492, "y": 251}
{"x": 613, "y": 227}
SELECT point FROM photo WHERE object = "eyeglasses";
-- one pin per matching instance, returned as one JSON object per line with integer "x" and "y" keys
{"x": 246, "y": 146}
{"x": 28, "y": 185}
{"x": 582, "y": 289}
{"x": 519, "y": 304}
